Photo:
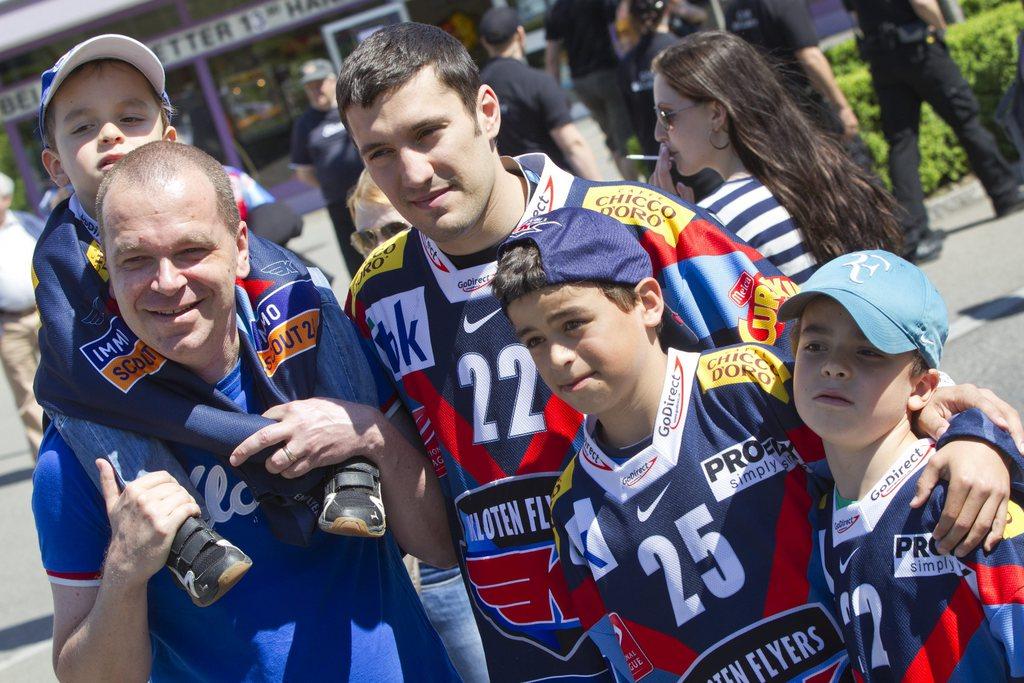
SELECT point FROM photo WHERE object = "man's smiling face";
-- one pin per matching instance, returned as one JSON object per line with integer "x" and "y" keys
{"x": 173, "y": 264}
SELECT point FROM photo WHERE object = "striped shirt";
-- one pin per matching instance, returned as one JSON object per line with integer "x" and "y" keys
{"x": 747, "y": 208}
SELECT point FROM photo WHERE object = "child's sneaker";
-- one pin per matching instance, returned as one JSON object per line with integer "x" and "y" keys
{"x": 203, "y": 563}
{"x": 352, "y": 503}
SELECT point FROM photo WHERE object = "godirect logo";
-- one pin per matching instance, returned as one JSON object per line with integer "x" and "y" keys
{"x": 474, "y": 283}
{"x": 671, "y": 411}
{"x": 434, "y": 255}
{"x": 899, "y": 474}
{"x": 633, "y": 478}
{"x": 591, "y": 455}
{"x": 546, "y": 198}
{"x": 844, "y": 525}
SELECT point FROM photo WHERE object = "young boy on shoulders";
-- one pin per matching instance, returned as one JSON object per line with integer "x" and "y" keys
{"x": 683, "y": 524}
{"x": 868, "y": 342}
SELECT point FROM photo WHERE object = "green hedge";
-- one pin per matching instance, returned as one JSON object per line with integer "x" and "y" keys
{"x": 985, "y": 49}
{"x": 7, "y": 166}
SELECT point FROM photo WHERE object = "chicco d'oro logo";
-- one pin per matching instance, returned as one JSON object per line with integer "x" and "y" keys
{"x": 863, "y": 262}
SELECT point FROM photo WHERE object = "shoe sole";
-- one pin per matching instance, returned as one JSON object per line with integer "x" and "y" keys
{"x": 350, "y": 526}
{"x": 227, "y": 581}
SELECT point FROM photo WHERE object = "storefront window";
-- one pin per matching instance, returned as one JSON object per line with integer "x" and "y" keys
{"x": 261, "y": 93}
{"x": 40, "y": 58}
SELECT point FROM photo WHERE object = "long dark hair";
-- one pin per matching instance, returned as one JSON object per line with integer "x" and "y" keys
{"x": 838, "y": 206}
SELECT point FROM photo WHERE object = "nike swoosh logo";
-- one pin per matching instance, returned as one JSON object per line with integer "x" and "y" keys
{"x": 473, "y": 327}
{"x": 642, "y": 514}
{"x": 844, "y": 565}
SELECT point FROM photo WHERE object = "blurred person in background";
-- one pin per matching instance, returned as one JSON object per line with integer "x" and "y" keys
{"x": 904, "y": 44}
{"x": 583, "y": 30}
{"x": 324, "y": 156}
{"x": 441, "y": 590}
{"x": 535, "y": 113}
{"x": 790, "y": 190}
{"x": 19, "y": 319}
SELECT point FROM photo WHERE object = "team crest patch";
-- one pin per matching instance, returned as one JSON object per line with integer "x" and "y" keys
{"x": 287, "y": 324}
{"x": 121, "y": 357}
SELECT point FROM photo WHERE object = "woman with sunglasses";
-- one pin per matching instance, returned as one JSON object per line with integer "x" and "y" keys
{"x": 790, "y": 190}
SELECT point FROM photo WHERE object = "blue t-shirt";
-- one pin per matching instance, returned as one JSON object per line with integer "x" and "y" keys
{"x": 340, "y": 609}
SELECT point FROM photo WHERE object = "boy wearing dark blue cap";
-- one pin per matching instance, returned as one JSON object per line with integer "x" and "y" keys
{"x": 731, "y": 547}
{"x": 868, "y": 344}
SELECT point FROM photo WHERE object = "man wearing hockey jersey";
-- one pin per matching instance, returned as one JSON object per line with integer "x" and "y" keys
{"x": 425, "y": 126}
{"x": 690, "y": 484}
{"x": 870, "y": 339}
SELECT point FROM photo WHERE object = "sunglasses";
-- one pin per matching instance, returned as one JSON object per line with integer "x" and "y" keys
{"x": 364, "y": 241}
{"x": 666, "y": 117}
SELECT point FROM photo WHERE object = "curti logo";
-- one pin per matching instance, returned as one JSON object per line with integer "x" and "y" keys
{"x": 762, "y": 296}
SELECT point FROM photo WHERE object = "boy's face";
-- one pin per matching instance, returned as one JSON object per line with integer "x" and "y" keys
{"x": 846, "y": 390}
{"x": 589, "y": 351}
{"x": 99, "y": 115}
{"x": 432, "y": 158}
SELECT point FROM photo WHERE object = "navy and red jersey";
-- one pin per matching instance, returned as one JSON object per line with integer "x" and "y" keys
{"x": 691, "y": 557}
{"x": 497, "y": 437}
{"x": 908, "y": 612}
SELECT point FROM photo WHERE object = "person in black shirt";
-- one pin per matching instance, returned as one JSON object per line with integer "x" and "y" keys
{"x": 583, "y": 28}
{"x": 904, "y": 47}
{"x": 784, "y": 30}
{"x": 323, "y": 155}
{"x": 535, "y": 113}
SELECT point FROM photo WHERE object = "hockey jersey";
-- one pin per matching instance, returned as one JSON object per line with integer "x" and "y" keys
{"x": 497, "y": 437}
{"x": 692, "y": 557}
{"x": 909, "y": 613}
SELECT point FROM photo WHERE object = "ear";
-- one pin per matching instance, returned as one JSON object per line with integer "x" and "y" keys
{"x": 170, "y": 134}
{"x": 55, "y": 169}
{"x": 719, "y": 117}
{"x": 242, "y": 244}
{"x": 652, "y": 303}
{"x": 923, "y": 390}
{"x": 488, "y": 111}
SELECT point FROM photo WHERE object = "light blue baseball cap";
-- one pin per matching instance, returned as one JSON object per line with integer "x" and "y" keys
{"x": 892, "y": 301}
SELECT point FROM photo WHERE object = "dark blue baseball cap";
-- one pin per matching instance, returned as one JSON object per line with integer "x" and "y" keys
{"x": 892, "y": 301}
{"x": 579, "y": 245}
{"x": 107, "y": 46}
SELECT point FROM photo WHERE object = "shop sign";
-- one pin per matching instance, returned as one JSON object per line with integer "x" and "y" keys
{"x": 20, "y": 100}
{"x": 240, "y": 27}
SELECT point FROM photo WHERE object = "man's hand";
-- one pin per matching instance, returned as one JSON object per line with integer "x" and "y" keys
{"x": 144, "y": 518}
{"x": 933, "y": 419}
{"x": 979, "y": 490}
{"x": 662, "y": 177}
{"x": 313, "y": 433}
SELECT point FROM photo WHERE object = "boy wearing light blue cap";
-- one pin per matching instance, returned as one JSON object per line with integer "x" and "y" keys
{"x": 867, "y": 346}
{"x": 683, "y": 523}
